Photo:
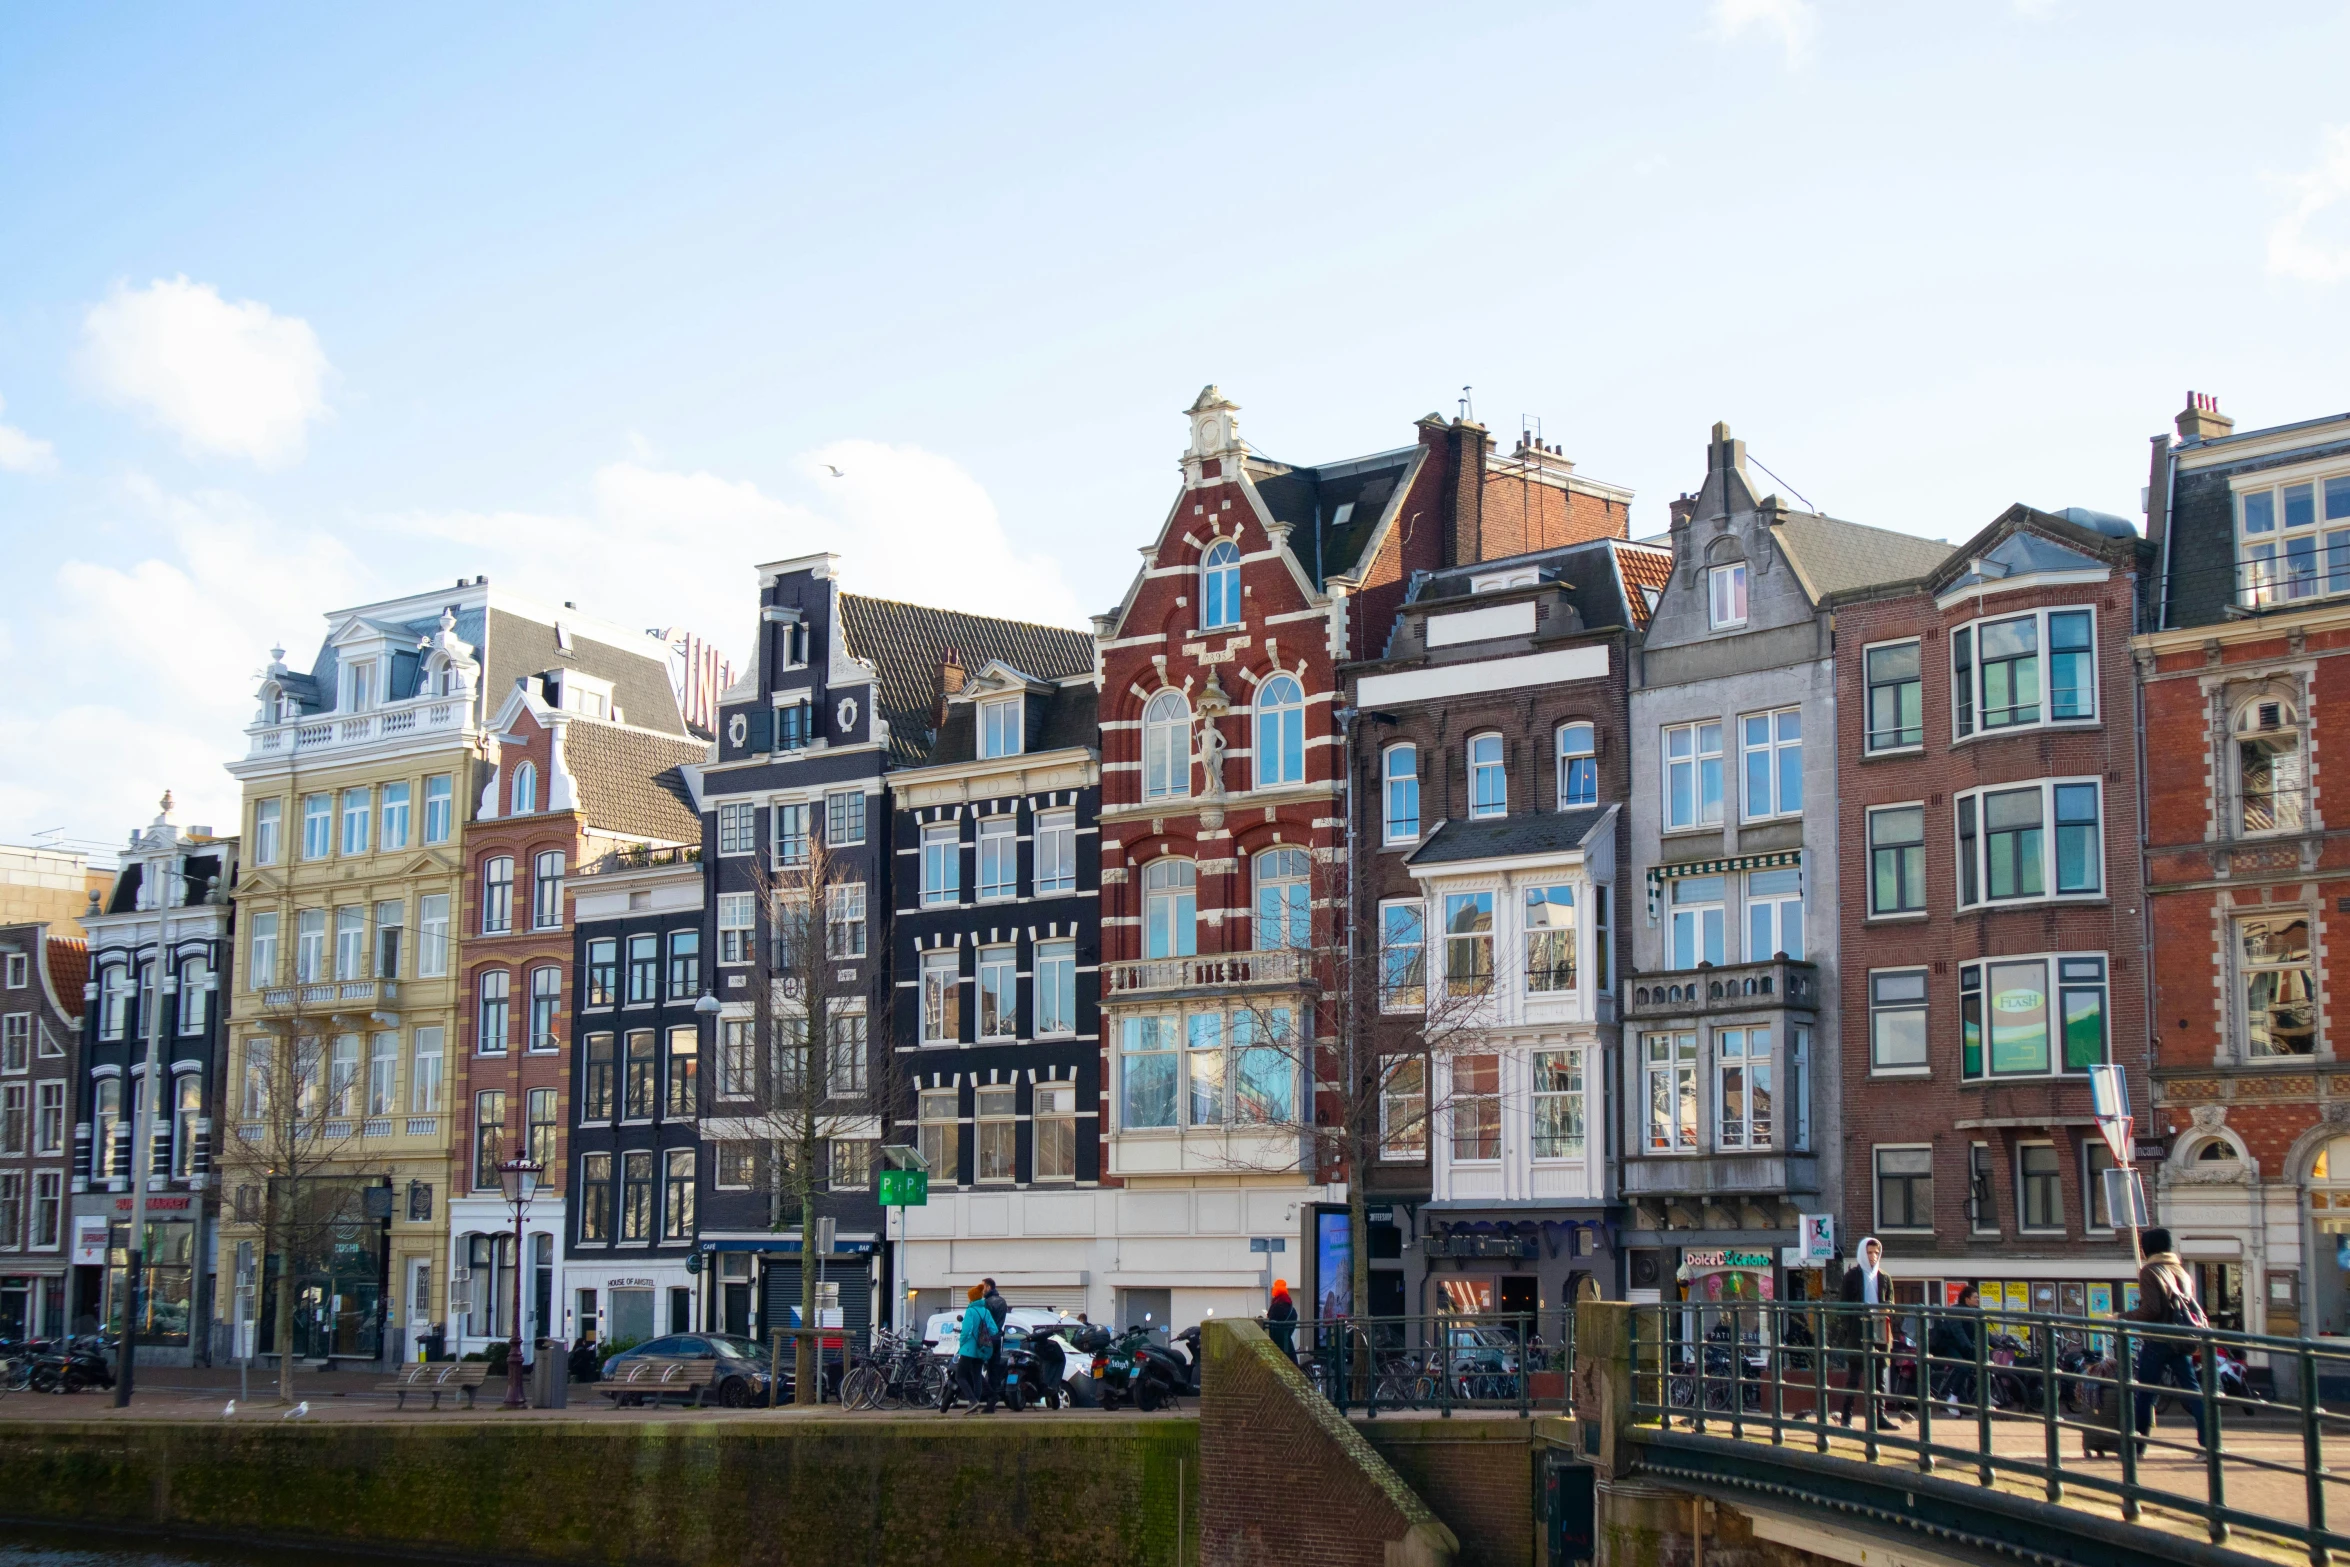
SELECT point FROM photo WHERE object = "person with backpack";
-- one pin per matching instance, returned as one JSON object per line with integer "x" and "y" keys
{"x": 2166, "y": 1298}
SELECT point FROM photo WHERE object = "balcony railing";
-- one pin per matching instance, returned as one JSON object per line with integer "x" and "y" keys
{"x": 328, "y": 732}
{"x": 332, "y": 992}
{"x": 1732, "y": 987}
{"x": 1282, "y": 966}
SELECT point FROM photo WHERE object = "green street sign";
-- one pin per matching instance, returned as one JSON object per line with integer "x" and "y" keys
{"x": 905, "y": 1188}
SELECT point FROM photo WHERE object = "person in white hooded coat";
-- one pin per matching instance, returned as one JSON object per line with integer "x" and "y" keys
{"x": 1866, "y": 1284}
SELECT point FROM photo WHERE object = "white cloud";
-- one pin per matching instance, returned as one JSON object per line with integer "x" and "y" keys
{"x": 2293, "y": 250}
{"x": 22, "y": 453}
{"x": 1795, "y": 22}
{"x": 233, "y": 380}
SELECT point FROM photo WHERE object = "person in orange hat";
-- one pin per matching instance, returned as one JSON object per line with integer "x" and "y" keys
{"x": 1281, "y": 1319}
{"x": 972, "y": 1348}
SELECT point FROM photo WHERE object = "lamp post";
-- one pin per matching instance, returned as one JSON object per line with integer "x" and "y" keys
{"x": 520, "y": 1178}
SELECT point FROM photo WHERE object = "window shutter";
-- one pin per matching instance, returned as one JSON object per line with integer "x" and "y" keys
{"x": 762, "y": 730}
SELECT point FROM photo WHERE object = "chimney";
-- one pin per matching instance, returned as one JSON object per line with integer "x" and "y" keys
{"x": 2201, "y": 419}
{"x": 950, "y": 681}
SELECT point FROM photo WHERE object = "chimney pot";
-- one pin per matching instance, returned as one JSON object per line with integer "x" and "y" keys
{"x": 2201, "y": 419}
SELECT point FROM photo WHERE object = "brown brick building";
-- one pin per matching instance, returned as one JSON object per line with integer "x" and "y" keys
{"x": 1990, "y": 907}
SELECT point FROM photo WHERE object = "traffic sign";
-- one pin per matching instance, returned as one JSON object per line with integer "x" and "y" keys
{"x": 905, "y": 1188}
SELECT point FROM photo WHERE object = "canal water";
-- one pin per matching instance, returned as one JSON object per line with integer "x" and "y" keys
{"x": 25, "y": 1545}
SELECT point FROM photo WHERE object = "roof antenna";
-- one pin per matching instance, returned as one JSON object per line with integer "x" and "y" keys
{"x": 1468, "y": 407}
{"x": 1791, "y": 489}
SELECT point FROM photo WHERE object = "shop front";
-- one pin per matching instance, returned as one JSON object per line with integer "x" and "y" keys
{"x": 1511, "y": 1264}
{"x": 483, "y": 1269}
{"x": 337, "y": 1231}
{"x": 629, "y": 1299}
{"x": 175, "y": 1296}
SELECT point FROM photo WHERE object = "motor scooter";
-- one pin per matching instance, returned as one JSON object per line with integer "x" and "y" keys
{"x": 71, "y": 1365}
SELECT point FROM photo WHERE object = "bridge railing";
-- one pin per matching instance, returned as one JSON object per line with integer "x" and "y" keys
{"x": 1999, "y": 1392}
{"x": 1501, "y": 1362}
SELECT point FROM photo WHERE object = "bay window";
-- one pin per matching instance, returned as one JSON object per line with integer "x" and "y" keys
{"x": 1742, "y": 1087}
{"x": 2007, "y": 851}
{"x": 1558, "y": 1104}
{"x": 1476, "y": 1108}
{"x": 1468, "y": 943}
{"x": 1670, "y": 1061}
{"x": 1550, "y": 939}
{"x": 1403, "y": 1107}
{"x": 1146, "y": 1072}
{"x": 2019, "y": 670}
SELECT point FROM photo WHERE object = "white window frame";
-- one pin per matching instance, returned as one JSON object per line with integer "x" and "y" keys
{"x": 1885, "y": 1002}
{"x": 358, "y": 817}
{"x": 789, "y": 825}
{"x": 1568, "y": 755}
{"x": 523, "y": 796}
{"x": 318, "y": 826}
{"x": 1694, "y": 763}
{"x": 1487, "y": 755}
{"x": 1398, "y": 789}
{"x": 738, "y": 828}
{"x": 1782, "y": 907}
{"x": 1001, "y": 725}
{"x": 1461, "y": 978}
{"x": 1170, "y": 896}
{"x": 1055, "y": 852}
{"x": 1056, "y": 989}
{"x": 1726, "y": 604}
{"x": 1403, "y": 964}
{"x": 995, "y": 1119}
{"x": 1055, "y": 1126}
{"x": 2054, "y": 983}
{"x": 1967, "y": 704}
{"x": 1274, "y": 722}
{"x": 268, "y": 831}
{"x": 941, "y": 979}
{"x": 1980, "y": 851}
{"x": 2264, "y": 576}
{"x": 1166, "y": 747}
{"x": 1576, "y": 1098}
{"x": 1463, "y": 1105}
{"x": 1735, "y": 1052}
{"x": 844, "y": 817}
{"x": 998, "y": 993}
{"x": 1669, "y": 1059}
{"x": 2289, "y": 801}
{"x": 845, "y": 936}
{"x": 999, "y": 840}
{"x": 1403, "y": 1108}
{"x": 1774, "y": 749}
{"x": 1695, "y": 910}
{"x": 738, "y": 917}
{"x": 942, "y": 865}
{"x": 440, "y": 808}
{"x": 1219, "y": 585}
{"x": 2241, "y": 972}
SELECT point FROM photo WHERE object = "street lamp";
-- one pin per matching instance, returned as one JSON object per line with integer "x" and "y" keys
{"x": 520, "y": 1179}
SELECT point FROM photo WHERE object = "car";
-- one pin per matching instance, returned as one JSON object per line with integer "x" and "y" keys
{"x": 741, "y": 1371}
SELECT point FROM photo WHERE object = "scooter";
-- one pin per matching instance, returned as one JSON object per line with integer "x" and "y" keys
{"x": 1127, "y": 1369}
{"x": 71, "y": 1366}
{"x": 1181, "y": 1366}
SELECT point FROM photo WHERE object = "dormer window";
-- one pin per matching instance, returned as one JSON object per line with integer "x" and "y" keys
{"x": 1000, "y": 728}
{"x": 1219, "y": 587}
{"x": 1494, "y": 582}
{"x": 1726, "y": 595}
{"x": 574, "y": 692}
{"x": 359, "y": 686}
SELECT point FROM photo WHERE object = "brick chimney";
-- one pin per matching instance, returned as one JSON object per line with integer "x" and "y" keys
{"x": 950, "y": 681}
{"x": 2201, "y": 419}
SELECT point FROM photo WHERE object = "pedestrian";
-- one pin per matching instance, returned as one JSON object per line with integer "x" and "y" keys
{"x": 1281, "y": 1320}
{"x": 1866, "y": 1287}
{"x": 1000, "y": 1309}
{"x": 2166, "y": 1298}
{"x": 586, "y": 1365}
{"x": 972, "y": 1351}
{"x": 1952, "y": 1339}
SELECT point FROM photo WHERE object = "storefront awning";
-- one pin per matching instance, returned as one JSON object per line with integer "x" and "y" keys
{"x": 1658, "y": 875}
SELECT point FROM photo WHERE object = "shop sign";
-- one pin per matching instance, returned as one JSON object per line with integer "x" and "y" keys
{"x": 1748, "y": 1260}
{"x": 1819, "y": 1238}
{"x": 89, "y": 1239}
{"x": 154, "y": 1204}
{"x": 625, "y": 1284}
{"x": 1470, "y": 1244}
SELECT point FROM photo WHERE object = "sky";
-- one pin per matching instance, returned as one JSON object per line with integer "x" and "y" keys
{"x": 303, "y": 307}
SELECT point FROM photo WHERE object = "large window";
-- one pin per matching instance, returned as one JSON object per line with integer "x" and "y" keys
{"x": 1774, "y": 914}
{"x": 1489, "y": 782}
{"x": 1403, "y": 956}
{"x": 999, "y": 859}
{"x": 425, "y": 1074}
{"x": 942, "y": 997}
{"x": 2034, "y": 668}
{"x": 546, "y": 994}
{"x": 439, "y": 808}
{"x": 1693, "y": 776}
{"x": 1170, "y": 892}
{"x": 1725, "y": 597}
{"x": 1468, "y": 943}
{"x": 350, "y": 942}
{"x": 395, "y": 816}
{"x": 1204, "y": 1076}
{"x": 1670, "y": 1061}
{"x": 642, "y": 1080}
{"x": 998, "y": 1127}
{"x": 1772, "y": 744}
{"x": 318, "y": 816}
{"x": 844, "y": 920}
{"x": 791, "y": 834}
{"x": 390, "y": 927}
{"x": 2038, "y": 841}
{"x": 595, "y": 1197}
{"x": 1578, "y": 766}
{"x": 261, "y": 956}
{"x": 1905, "y": 1188}
{"x": 432, "y": 935}
{"x": 942, "y": 864}
{"x": 358, "y": 811}
{"x": 1056, "y": 852}
{"x": 1897, "y": 1020}
{"x": 1219, "y": 586}
{"x": 1897, "y": 859}
{"x": 1146, "y": 1072}
{"x": 1558, "y": 1104}
{"x": 941, "y": 1135}
{"x": 685, "y": 964}
{"x": 596, "y": 1080}
{"x": 2269, "y": 787}
{"x": 540, "y": 1146}
{"x": 1742, "y": 1087}
{"x": 1281, "y": 732}
{"x": 497, "y": 894}
{"x": 737, "y": 918}
{"x": 1403, "y": 1107}
{"x": 268, "y": 831}
{"x": 602, "y": 971}
{"x": 999, "y": 727}
{"x": 309, "y": 958}
{"x": 2027, "y": 1017}
{"x": 489, "y": 1137}
{"x": 1056, "y": 987}
{"x": 1696, "y": 920}
{"x": 2040, "y": 1186}
{"x": 682, "y": 1101}
{"x": 636, "y": 1196}
{"x": 644, "y": 968}
{"x": 496, "y": 1001}
{"x": 2275, "y": 970}
{"x": 1285, "y": 899}
{"x": 1400, "y": 768}
{"x": 1896, "y": 713}
{"x": 844, "y": 817}
{"x": 738, "y": 1060}
{"x": 526, "y": 790}
{"x": 546, "y": 890}
{"x": 999, "y": 993}
{"x": 2283, "y": 552}
{"x": 738, "y": 827}
{"x": 1476, "y": 1108}
{"x": 1166, "y": 747}
{"x": 1055, "y": 1130}
{"x": 1550, "y": 938}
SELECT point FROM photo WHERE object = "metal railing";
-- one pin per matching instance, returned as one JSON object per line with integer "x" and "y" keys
{"x": 1997, "y": 1392}
{"x": 1277, "y": 966}
{"x": 1501, "y": 1362}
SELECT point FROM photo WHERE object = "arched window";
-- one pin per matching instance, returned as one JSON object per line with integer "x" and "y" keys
{"x": 496, "y": 991}
{"x": 2219, "y": 1151}
{"x": 1489, "y": 788}
{"x": 1166, "y": 747}
{"x": 2335, "y": 1152}
{"x": 1281, "y": 732}
{"x": 1578, "y": 766}
{"x": 526, "y": 789}
{"x": 1219, "y": 585}
{"x": 2268, "y": 765}
{"x": 1402, "y": 768}
{"x": 1170, "y": 899}
{"x": 1285, "y": 901}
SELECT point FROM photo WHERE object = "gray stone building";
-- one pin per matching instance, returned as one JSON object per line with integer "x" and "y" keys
{"x": 1730, "y": 1022}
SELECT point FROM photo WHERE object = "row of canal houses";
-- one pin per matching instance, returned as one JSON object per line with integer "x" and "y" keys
{"x": 1410, "y": 855}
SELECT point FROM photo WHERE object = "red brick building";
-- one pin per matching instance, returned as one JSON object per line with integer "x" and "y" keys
{"x": 2241, "y": 659}
{"x": 1991, "y": 912}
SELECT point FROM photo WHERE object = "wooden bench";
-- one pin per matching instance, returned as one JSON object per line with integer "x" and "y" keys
{"x": 655, "y": 1377}
{"x": 435, "y": 1377}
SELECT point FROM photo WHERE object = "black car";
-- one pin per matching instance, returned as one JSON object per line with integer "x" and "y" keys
{"x": 741, "y": 1378}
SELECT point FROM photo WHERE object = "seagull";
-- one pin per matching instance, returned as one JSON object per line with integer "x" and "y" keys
{"x": 297, "y": 1412}
{"x": 835, "y": 472}
{"x": 230, "y": 1412}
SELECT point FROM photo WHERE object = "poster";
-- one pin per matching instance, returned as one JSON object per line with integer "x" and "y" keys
{"x": 1334, "y": 1269}
{"x": 1951, "y": 1290}
{"x": 2100, "y": 1300}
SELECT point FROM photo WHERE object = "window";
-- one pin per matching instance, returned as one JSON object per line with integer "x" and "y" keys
{"x": 595, "y": 1197}
{"x": 2014, "y": 857}
{"x": 795, "y": 725}
{"x": 424, "y": 1073}
{"x": 737, "y": 827}
{"x": 106, "y": 1116}
{"x": 603, "y": 969}
{"x": 1285, "y": 900}
{"x": 432, "y": 935}
{"x": 941, "y": 1135}
{"x": 1401, "y": 769}
{"x": 942, "y": 997}
{"x": 1264, "y": 1079}
{"x": 683, "y": 1100}
{"x": 846, "y": 1068}
{"x": 998, "y": 1133}
{"x": 546, "y": 994}
{"x": 2040, "y": 1187}
{"x": 685, "y": 964}
{"x": 1281, "y": 732}
{"x": 1693, "y": 776}
{"x": 1476, "y": 1108}
{"x": 1170, "y": 909}
{"x": 1897, "y": 860}
{"x": 496, "y": 989}
{"x": 1403, "y": 957}
{"x": 1146, "y": 1072}
{"x": 2278, "y": 565}
{"x": 1166, "y": 747}
{"x": 844, "y": 920}
{"x": 1671, "y": 1061}
{"x": 791, "y": 835}
{"x": 1056, "y": 1132}
{"x": 999, "y": 993}
{"x": 497, "y": 894}
{"x": 1219, "y": 586}
{"x": 383, "y": 1075}
{"x": 1489, "y": 784}
{"x": 261, "y": 956}
{"x": 1204, "y": 1074}
{"x": 844, "y": 816}
{"x": 1550, "y": 938}
{"x": 738, "y": 1164}
{"x": 390, "y": 920}
{"x": 1056, "y": 852}
{"x": 1773, "y": 747}
{"x": 2268, "y": 760}
{"x": 1774, "y": 914}
{"x": 1897, "y": 714}
{"x": 1056, "y": 987}
{"x": 1996, "y": 677}
{"x": 11, "y": 1209}
{"x": 2096, "y": 1159}
{"x": 16, "y": 1042}
{"x": 1468, "y": 943}
{"x": 1403, "y": 1107}
{"x": 489, "y": 1137}
{"x": 15, "y": 1125}
{"x": 268, "y": 831}
{"x": 852, "y": 1166}
{"x": 439, "y": 812}
{"x": 595, "y": 1083}
{"x": 735, "y": 923}
{"x": 357, "y": 812}
{"x": 1905, "y": 1188}
{"x": 359, "y": 686}
{"x": 1558, "y": 1104}
{"x": 637, "y": 1088}
{"x": 2274, "y": 964}
{"x": 1578, "y": 766}
{"x": 309, "y": 947}
{"x": 1696, "y": 920}
{"x": 49, "y": 1118}
{"x": 546, "y": 890}
{"x": 1726, "y": 595}
{"x": 999, "y": 728}
{"x": 1798, "y": 1099}
{"x": 1897, "y": 1020}
{"x": 20, "y": 972}
{"x": 48, "y": 1208}
{"x": 644, "y": 968}
{"x": 395, "y": 816}
{"x": 540, "y": 1140}
{"x": 999, "y": 859}
{"x": 2018, "y": 1015}
{"x": 526, "y": 790}
{"x": 350, "y": 942}
{"x": 942, "y": 864}
{"x": 636, "y": 1196}
{"x": 1742, "y": 1087}
{"x": 317, "y": 826}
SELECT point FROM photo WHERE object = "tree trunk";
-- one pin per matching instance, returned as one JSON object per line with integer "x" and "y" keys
{"x": 285, "y": 1315}
{"x": 808, "y": 1386}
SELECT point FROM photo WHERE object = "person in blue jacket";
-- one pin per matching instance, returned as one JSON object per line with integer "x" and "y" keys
{"x": 972, "y": 1351}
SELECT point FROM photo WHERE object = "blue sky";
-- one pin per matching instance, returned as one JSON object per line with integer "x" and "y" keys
{"x": 304, "y": 307}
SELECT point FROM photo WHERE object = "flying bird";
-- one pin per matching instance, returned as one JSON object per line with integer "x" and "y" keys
{"x": 835, "y": 472}
{"x": 297, "y": 1412}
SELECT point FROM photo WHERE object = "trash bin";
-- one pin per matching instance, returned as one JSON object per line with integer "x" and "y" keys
{"x": 550, "y": 1376}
